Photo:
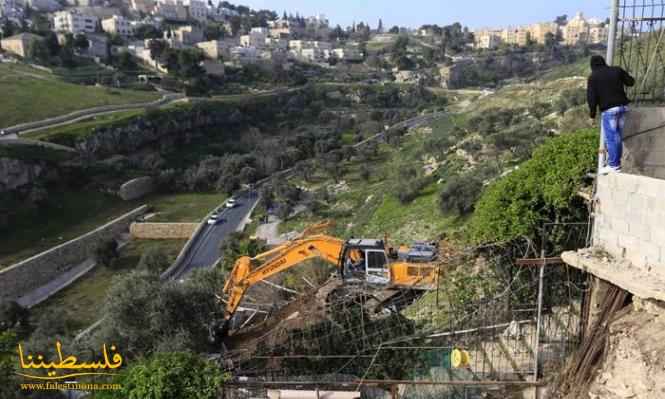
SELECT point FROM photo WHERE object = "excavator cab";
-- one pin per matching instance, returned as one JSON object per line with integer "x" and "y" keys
{"x": 365, "y": 260}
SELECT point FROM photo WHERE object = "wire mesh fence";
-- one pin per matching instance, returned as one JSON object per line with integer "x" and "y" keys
{"x": 640, "y": 48}
{"x": 519, "y": 328}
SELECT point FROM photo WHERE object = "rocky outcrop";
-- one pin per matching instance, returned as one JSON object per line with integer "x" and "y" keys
{"x": 16, "y": 173}
{"x": 136, "y": 188}
{"x": 634, "y": 365}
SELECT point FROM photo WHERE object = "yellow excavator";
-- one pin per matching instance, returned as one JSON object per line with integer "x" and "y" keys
{"x": 356, "y": 260}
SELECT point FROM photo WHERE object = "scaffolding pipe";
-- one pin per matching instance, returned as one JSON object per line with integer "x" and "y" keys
{"x": 611, "y": 44}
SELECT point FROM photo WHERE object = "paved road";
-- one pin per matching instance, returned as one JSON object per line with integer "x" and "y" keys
{"x": 205, "y": 250}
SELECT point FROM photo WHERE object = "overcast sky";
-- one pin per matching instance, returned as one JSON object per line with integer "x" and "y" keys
{"x": 414, "y": 13}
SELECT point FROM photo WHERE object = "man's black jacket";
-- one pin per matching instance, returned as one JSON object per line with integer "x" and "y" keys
{"x": 605, "y": 88}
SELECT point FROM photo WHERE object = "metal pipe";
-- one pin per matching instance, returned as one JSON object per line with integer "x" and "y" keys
{"x": 611, "y": 44}
{"x": 541, "y": 275}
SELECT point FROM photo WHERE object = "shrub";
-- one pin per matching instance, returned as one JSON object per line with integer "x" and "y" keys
{"x": 542, "y": 189}
{"x": 460, "y": 194}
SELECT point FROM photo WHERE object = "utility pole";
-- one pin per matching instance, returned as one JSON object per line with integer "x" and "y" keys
{"x": 611, "y": 46}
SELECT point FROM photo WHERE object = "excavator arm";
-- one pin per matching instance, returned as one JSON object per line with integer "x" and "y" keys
{"x": 275, "y": 261}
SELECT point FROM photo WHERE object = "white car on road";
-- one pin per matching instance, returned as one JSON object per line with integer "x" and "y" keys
{"x": 231, "y": 203}
{"x": 214, "y": 219}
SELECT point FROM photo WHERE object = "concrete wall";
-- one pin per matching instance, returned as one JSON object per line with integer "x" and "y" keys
{"x": 644, "y": 142}
{"x": 23, "y": 277}
{"x": 162, "y": 231}
{"x": 630, "y": 219}
{"x": 136, "y": 188}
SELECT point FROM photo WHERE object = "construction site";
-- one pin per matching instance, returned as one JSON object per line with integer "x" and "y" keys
{"x": 577, "y": 313}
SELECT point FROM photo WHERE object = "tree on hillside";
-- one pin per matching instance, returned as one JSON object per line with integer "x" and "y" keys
{"x": 561, "y": 20}
{"x": 154, "y": 260}
{"x": 394, "y": 29}
{"x": 81, "y": 42}
{"x": 169, "y": 376}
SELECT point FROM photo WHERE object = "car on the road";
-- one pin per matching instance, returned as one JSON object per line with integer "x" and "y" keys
{"x": 3, "y": 132}
{"x": 231, "y": 203}
{"x": 215, "y": 218}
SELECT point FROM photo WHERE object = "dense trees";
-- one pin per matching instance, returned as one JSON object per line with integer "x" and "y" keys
{"x": 542, "y": 189}
{"x": 176, "y": 375}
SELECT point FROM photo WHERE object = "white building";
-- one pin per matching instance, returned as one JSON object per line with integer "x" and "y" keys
{"x": 196, "y": 9}
{"x": 216, "y": 49}
{"x": 255, "y": 38}
{"x": 74, "y": 22}
{"x": 245, "y": 55}
{"x": 118, "y": 25}
{"x": 221, "y": 14}
{"x": 277, "y": 44}
{"x": 348, "y": 54}
{"x": 183, "y": 36}
{"x": 44, "y": 5}
{"x": 173, "y": 10}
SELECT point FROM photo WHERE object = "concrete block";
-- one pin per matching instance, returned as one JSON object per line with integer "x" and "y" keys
{"x": 650, "y": 254}
{"x": 658, "y": 235}
{"x": 628, "y": 246}
{"x": 640, "y": 230}
{"x": 620, "y": 226}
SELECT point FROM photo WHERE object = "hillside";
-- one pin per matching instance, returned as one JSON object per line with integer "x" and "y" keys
{"x": 30, "y": 95}
{"x": 423, "y": 182}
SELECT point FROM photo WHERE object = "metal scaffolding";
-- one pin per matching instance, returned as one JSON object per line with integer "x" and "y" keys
{"x": 637, "y": 43}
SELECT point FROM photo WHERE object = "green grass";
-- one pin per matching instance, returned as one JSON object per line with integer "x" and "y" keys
{"x": 183, "y": 208}
{"x": 82, "y": 128}
{"x": 66, "y": 215}
{"x": 34, "y": 151}
{"x": 31, "y": 95}
{"x": 83, "y": 300}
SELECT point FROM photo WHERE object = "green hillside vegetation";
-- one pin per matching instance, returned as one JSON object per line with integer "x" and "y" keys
{"x": 542, "y": 189}
{"x": 80, "y": 129}
{"x": 28, "y": 150}
{"x": 31, "y": 95}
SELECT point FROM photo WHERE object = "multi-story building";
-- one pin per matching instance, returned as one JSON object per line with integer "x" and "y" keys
{"x": 196, "y": 10}
{"x": 74, "y": 22}
{"x": 516, "y": 36}
{"x": 540, "y": 31}
{"x": 216, "y": 49}
{"x": 256, "y": 38}
{"x": 173, "y": 10}
{"x": 221, "y": 14}
{"x": 19, "y": 44}
{"x": 245, "y": 55}
{"x": 598, "y": 34}
{"x": 280, "y": 28}
{"x": 276, "y": 44}
{"x": 576, "y": 30}
{"x": 487, "y": 39}
{"x": 348, "y": 54}
{"x": 118, "y": 25}
{"x": 184, "y": 36}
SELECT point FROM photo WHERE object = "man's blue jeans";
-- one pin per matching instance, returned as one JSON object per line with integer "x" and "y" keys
{"x": 612, "y": 126}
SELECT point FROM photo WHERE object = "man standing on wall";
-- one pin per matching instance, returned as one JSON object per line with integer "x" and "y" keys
{"x": 605, "y": 90}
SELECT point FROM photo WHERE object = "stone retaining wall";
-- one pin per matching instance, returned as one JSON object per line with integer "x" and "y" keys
{"x": 162, "y": 231}
{"x": 23, "y": 277}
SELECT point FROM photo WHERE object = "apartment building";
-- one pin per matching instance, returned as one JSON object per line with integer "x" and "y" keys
{"x": 118, "y": 25}
{"x": 183, "y": 36}
{"x": 216, "y": 49}
{"x": 540, "y": 31}
{"x": 487, "y": 39}
{"x": 515, "y": 36}
{"x": 74, "y": 22}
{"x": 256, "y": 38}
